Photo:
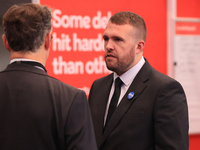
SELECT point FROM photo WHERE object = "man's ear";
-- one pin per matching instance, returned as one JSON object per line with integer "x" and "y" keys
{"x": 140, "y": 47}
{"x": 5, "y": 43}
{"x": 47, "y": 41}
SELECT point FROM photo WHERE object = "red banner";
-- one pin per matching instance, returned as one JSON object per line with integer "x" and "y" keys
{"x": 77, "y": 53}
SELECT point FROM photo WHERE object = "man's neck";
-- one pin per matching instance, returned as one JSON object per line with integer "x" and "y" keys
{"x": 28, "y": 56}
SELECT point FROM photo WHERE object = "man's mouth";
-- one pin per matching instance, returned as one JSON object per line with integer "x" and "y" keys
{"x": 110, "y": 56}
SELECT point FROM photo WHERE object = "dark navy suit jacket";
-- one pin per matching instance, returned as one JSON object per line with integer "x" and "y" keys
{"x": 38, "y": 112}
{"x": 156, "y": 118}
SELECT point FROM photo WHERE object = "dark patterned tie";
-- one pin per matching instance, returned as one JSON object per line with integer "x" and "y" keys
{"x": 115, "y": 98}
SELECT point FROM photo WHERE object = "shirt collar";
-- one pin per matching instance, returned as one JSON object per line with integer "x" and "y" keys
{"x": 22, "y": 59}
{"x": 129, "y": 75}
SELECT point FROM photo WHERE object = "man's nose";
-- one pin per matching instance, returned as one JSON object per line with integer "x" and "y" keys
{"x": 109, "y": 45}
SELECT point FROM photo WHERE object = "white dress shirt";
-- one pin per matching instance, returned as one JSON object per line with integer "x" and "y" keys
{"x": 127, "y": 79}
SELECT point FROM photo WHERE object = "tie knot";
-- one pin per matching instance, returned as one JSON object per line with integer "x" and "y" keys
{"x": 118, "y": 82}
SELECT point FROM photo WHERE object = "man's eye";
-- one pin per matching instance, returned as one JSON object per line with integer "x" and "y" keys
{"x": 105, "y": 39}
{"x": 118, "y": 39}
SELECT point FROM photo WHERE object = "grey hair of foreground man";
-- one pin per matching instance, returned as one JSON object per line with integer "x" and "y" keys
{"x": 26, "y": 26}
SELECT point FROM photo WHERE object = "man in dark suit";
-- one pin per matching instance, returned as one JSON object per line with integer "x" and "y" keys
{"x": 149, "y": 110}
{"x": 38, "y": 112}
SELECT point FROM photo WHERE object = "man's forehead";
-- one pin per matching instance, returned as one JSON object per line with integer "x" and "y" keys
{"x": 114, "y": 29}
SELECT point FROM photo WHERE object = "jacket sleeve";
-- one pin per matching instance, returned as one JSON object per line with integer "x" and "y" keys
{"x": 171, "y": 118}
{"x": 79, "y": 128}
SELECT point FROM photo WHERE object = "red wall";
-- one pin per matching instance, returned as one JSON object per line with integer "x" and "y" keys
{"x": 155, "y": 48}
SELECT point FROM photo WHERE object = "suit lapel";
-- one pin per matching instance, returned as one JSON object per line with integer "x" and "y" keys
{"x": 104, "y": 99}
{"x": 137, "y": 86}
{"x": 100, "y": 103}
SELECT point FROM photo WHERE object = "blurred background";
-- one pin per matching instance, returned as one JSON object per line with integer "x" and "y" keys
{"x": 76, "y": 54}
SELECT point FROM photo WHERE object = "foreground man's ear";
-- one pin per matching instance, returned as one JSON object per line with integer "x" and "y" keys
{"x": 47, "y": 41}
{"x": 5, "y": 43}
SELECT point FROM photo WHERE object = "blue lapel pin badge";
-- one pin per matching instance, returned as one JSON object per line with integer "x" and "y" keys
{"x": 130, "y": 95}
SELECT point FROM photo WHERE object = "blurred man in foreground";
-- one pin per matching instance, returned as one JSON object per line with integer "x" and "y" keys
{"x": 38, "y": 112}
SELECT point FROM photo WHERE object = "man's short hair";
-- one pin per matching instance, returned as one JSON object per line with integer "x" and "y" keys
{"x": 127, "y": 17}
{"x": 26, "y": 26}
